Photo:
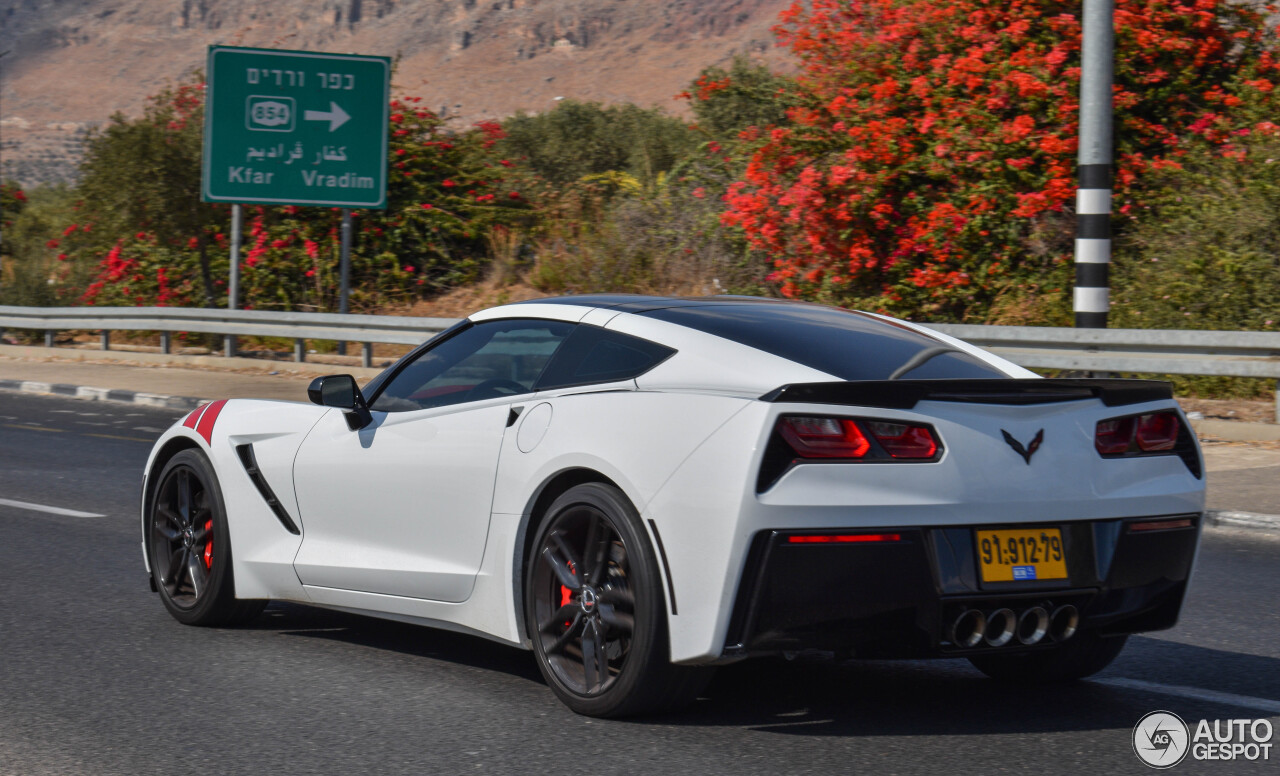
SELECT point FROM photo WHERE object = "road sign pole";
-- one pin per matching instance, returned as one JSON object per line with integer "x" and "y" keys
{"x": 1093, "y": 198}
{"x": 1, "y": 182}
{"x": 233, "y": 283}
{"x": 344, "y": 264}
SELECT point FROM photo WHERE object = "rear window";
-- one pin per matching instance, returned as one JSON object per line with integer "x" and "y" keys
{"x": 848, "y": 345}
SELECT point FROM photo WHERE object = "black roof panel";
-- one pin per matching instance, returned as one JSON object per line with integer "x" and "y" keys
{"x": 846, "y": 344}
{"x": 639, "y": 303}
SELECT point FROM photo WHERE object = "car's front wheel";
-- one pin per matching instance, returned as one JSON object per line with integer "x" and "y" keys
{"x": 189, "y": 546}
{"x": 594, "y": 602}
{"x": 1084, "y": 655}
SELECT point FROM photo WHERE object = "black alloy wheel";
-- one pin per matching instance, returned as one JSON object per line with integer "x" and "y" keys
{"x": 596, "y": 610}
{"x": 182, "y": 537}
{"x": 586, "y": 610}
{"x": 189, "y": 547}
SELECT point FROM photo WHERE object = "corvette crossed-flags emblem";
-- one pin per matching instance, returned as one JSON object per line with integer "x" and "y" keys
{"x": 1029, "y": 450}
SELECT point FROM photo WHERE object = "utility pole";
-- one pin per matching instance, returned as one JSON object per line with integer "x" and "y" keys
{"x": 1092, "y": 299}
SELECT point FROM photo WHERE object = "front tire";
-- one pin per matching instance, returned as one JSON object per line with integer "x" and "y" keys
{"x": 1084, "y": 655}
{"x": 596, "y": 611}
{"x": 189, "y": 546}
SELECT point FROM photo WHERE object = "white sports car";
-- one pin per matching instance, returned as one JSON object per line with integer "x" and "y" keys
{"x": 638, "y": 489}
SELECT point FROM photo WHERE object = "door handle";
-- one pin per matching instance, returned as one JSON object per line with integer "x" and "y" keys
{"x": 512, "y": 415}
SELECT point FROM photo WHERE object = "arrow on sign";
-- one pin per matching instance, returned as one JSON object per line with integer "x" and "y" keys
{"x": 336, "y": 116}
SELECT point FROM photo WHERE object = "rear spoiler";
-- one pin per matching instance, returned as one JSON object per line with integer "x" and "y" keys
{"x": 905, "y": 394}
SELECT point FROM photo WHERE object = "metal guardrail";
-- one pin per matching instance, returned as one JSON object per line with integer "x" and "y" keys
{"x": 1143, "y": 351}
{"x": 300, "y": 327}
{"x": 1156, "y": 351}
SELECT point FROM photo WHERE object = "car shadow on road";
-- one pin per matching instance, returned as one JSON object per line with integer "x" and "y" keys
{"x": 408, "y": 639}
{"x": 857, "y": 698}
{"x": 949, "y": 697}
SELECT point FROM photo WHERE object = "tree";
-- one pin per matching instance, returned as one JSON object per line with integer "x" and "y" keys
{"x": 725, "y": 102}
{"x": 141, "y": 222}
{"x": 929, "y": 167}
{"x": 577, "y": 139}
{"x": 142, "y": 177}
{"x": 1205, "y": 254}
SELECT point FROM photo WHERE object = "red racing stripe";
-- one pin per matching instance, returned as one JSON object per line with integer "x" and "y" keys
{"x": 194, "y": 417}
{"x": 210, "y": 416}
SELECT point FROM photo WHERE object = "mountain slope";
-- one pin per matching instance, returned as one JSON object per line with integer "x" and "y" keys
{"x": 75, "y": 62}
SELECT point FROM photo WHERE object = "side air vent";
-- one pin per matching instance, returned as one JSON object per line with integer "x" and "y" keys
{"x": 251, "y": 467}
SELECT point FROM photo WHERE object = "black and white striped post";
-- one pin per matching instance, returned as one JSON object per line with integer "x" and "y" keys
{"x": 1092, "y": 299}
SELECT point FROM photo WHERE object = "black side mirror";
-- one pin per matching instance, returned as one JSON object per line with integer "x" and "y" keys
{"x": 342, "y": 392}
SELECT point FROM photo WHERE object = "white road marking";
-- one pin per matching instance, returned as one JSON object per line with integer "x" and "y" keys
{"x": 149, "y": 429}
{"x": 89, "y": 423}
{"x": 62, "y": 412}
{"x": 4, "y": 502}
{"x": 1195, "y": 693}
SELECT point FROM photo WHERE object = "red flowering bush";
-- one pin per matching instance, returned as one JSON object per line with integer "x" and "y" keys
{"x": 12, "y": 201}
{"x": 136, "y": 271}
{"x": 929, "y": 168}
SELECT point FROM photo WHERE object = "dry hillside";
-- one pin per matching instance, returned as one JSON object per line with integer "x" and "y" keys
{"x": 73, "y": 63}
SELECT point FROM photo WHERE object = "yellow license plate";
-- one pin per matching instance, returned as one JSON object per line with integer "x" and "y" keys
{"x": 1021, "y": 555}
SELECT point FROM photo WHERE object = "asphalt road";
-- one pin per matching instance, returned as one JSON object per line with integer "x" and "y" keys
{"x": 96, "y": 678}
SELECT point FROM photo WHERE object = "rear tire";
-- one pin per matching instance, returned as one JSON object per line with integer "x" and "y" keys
{"x": 596, "y": 610}
{"x": 1084, "y": 655}
{"x": 189, "y": 547}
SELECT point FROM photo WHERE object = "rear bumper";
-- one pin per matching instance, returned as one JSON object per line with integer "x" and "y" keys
{"x": 900, "y": 599}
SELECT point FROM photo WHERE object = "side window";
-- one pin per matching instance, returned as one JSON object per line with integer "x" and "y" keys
{"x": 490, "y": 359}
{"x": 596, "y": 355}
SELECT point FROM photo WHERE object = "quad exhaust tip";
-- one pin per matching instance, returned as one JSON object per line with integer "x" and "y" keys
{"x": 968, "y": 628}
{"x": 1030, "y": 627}
{"x": 1033, "y": 624}
{"x": 1001, "y": 625}
{"x": 1063, "y": 623}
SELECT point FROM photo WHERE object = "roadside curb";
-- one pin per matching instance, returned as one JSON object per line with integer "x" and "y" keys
{"x": 1235, "y": 431}
{"x": 1229, "y": 518}
{"x": 91, "y": 393}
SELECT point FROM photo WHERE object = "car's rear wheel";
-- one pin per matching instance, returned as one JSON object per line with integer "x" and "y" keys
{"x": 596, "y": 613}
{"x": 189, "y": 546}
{"x": 1084, "y": 655}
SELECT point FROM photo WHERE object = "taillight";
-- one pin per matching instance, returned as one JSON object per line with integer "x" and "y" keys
{"x": 1157, "y": 431}
{"x": 901, "y": 440}
{"x": 820, "y": 437}
{"x": 1150, "y": 433}
{"x": 844, "y": 538}
{"x": 1113, "y": 436}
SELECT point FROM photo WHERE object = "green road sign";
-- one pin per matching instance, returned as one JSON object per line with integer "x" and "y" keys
{"x": 296, "y": 128}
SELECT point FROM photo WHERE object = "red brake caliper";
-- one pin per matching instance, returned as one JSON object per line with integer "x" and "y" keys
{"x": 208, "y": 546}
{"x": 566, "y": 596}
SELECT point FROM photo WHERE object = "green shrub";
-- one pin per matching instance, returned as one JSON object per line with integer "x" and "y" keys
{"x": 577, "y": 139}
